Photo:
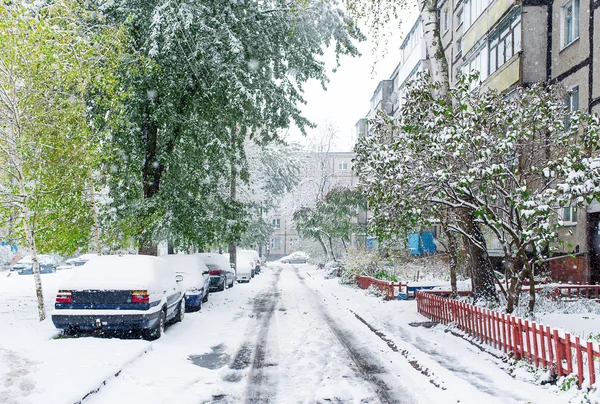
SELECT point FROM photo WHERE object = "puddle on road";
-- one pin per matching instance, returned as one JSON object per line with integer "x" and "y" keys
{"x": 214, "y": 360}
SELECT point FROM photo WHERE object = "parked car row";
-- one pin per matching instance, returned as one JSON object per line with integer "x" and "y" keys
{"x": 142, "y": 294}
{"x": 47, "y": 265}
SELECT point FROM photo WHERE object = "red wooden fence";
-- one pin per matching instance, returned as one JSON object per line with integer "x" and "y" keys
{"x": 387, "y": 287}
{"x": 542, "y": 346}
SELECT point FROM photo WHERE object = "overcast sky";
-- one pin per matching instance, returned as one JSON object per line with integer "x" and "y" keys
{"x": 350, "y": 88}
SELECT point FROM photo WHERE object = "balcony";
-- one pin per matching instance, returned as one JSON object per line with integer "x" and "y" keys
{"x": 482, "y": 25}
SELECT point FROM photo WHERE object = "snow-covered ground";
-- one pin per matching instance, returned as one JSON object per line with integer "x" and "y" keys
{"x": 289, "y": 336}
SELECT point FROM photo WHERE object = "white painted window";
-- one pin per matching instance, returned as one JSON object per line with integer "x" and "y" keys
{"x": 570, "y": 22}
{"x": 342, "y": 165}
{"x": 477, "y": 62}
{"x": 568, "y": 215}
{"x": 276, "y": 243}
{"x": 445, "y": 20}
{"x": 473, "y": 9}
{"x": 460, "y": 18}
{"x": 505, "y": 42}
{"x": 276, "y": 223}
{"x": 572, "y": 102}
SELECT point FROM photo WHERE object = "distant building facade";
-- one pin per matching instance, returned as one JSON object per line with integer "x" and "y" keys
{"x": 322, "y": 172}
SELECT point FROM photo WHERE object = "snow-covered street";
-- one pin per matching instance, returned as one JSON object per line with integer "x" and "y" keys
{"x": 289, "y": 336}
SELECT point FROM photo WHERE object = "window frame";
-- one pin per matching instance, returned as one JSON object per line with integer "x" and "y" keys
{"x": 504, "y": 42}
{"x": 572, "y": 214}
{"x": 574, "y": 23}
{"x": 276, "y": 223}
{"x": 572, "y": 95}
{"x": 342, "y": 165}
{"x": 276, "y": 243}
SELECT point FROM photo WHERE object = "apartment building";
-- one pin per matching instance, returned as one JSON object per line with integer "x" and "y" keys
{"x": 514, "y": 43}
{"x": 321, "y": 173}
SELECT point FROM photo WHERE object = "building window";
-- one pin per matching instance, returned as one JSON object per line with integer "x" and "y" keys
{"x": 473, "y": 9}
{"x": 458, "y": 47}
{"x": 276, "y": 223}
{"x": 445, "y": 21}
{"x": 459, "y": 18}
{"x": 276, "y": 243}
{"x": 569, "y": 215}
{"x": 570, "y": 22}
{"x": 572, "y": 103}
{"x": 477, "y": 62}
{"x": 342, "y": 165}
{"x": 505, "y": 42}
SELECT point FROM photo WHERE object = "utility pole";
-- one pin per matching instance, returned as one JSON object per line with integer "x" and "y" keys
{"x": 284, "y": 237}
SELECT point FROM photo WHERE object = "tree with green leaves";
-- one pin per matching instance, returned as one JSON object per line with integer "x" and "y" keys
{"x": 46, "y": 144}
{"x": 201, "y": 79}
{"x": 333, "y": 217}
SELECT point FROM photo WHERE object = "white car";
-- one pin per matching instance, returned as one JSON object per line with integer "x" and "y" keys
{"x": 298, "y": 257}
{"x": 76, "y": 261}
{"x": 136, "y": 293}
{"x": 196, "y": 278}
{"x": 245, "y": 265}
{"x": 256, "y": 258}
{"x": 46, "y": 263}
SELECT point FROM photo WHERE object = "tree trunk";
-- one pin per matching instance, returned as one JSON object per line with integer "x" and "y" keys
{"x": 233, "y": 182}
{"x": 96, "y": 229}
{"x": 477, "y": 259}
{"x": 453, "y": 260}
{"x": 516, "y": 284}
{"x": 531, "y": 290}
{"x": 331, "y": 248}
{"x": 152, "y": 171}
{"x": 324, "y": 247}
{"x": 29, "y": 237}
{"x": 433, "y": 43}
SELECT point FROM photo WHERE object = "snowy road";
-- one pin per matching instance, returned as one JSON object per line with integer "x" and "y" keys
{"x": 292, "y": 337}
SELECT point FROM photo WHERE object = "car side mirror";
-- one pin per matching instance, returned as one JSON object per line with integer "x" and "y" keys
{"x": 179, "y": 277}
{"x": 205, "y": 273}
{"x": 232, "y": 266}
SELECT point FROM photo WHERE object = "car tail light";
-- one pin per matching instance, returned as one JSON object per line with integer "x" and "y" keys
{"x": 64, "y": 296}
{"x": 140, "y": 296}
{"x": 215, "y": 272}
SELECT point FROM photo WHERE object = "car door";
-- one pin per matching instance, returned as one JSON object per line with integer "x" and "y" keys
{"x": 172, "y": 292}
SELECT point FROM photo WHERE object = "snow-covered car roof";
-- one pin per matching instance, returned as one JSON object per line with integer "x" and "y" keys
{"x": 297, "y": 254}
{"x": 244, "y": 260}
{"x": 215, "y": 259}
{"x": 129, "y": 272}
{"x": 42, "y": 259}
{"x": 82, "y": 257}
{"x": 190, "y": 266}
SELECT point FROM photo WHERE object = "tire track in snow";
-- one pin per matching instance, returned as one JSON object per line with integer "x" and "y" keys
{"x": 253, "y": 352}
{"x": 368, "y": 367}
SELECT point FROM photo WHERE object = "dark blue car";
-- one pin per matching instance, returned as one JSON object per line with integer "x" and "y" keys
{"x": 196, "y": 278}
{"x": 134, "y": 293}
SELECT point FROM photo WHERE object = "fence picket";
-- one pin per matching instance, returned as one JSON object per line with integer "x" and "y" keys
{"x": 579, "y": 356}
{"x": 511, "y": 334}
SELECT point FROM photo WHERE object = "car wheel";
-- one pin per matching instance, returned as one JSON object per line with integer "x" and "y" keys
{"x": 181, "y": 310}
{"x": 158, "y": 330}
